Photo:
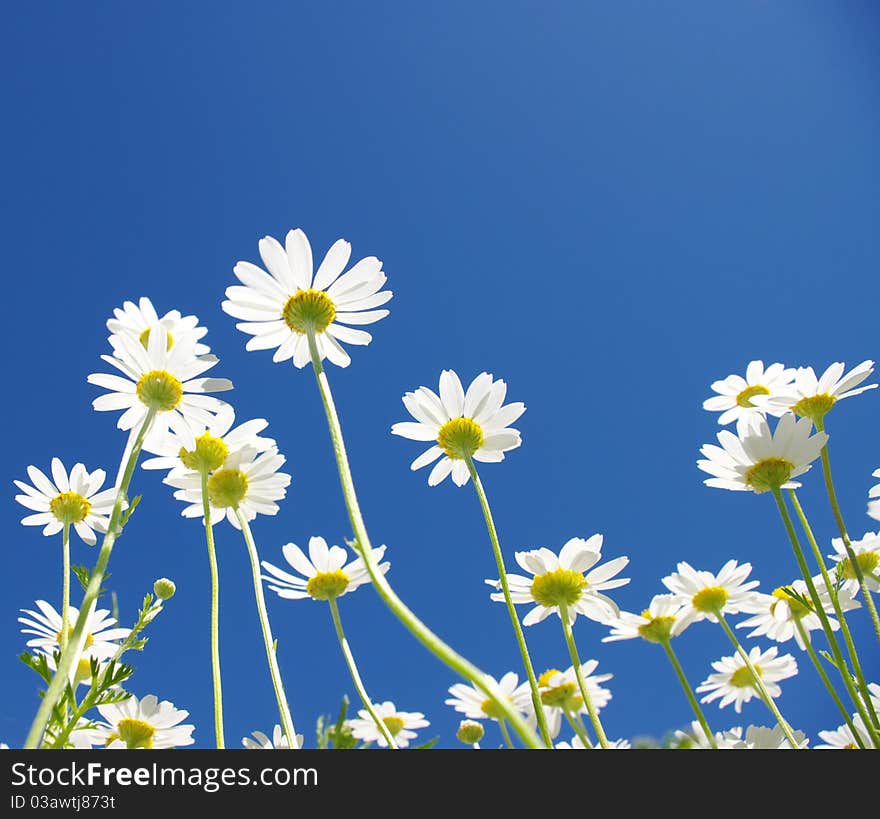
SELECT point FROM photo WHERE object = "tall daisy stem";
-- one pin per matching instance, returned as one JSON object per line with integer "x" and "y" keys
{"x": 582, "y": 683}
{"x": 215, "y": 615}
{"x": 578, "y": 727}
{"x": 416, "y": 627}
{"x": 74, "y": 647}
{"x": 844, "y": 626}
{"x": 269, "y": 642}
{"x": 847, "y": 543}
{"x": 817, "y": 663}
{"x": 758, "y": 682}
{"x": 65, "y": 586}
{"x": 511, "y": 610}
{"x": 689, "y": 692}
{"x": 356, "y": 677}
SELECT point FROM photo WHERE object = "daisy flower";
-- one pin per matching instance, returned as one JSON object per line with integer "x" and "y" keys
{"x": 470, "y": 732}
{"x": 779, "y": 614}
{"x": 560, "y": 693}
{"x": 160, "y": 379}
{"x": 735, "y": 393}
{"x": 695, "y": 739}
{"x": 136, "y": 320}
{"x": 247, "y": 481}
{"x": 656, "y": 624}
{"x": 867, "y": 552}
{"x": 559, "y": 581}
{"x": 812, "y": 397}
{"x": 102, "y": 633}
{"x": 577, "y": 744}
{"x": 278, "y": 741}
{"x": 757, "y": 460}
{"x": 323, "y": 575}
{"x": 74, "y": 499}
{"x": 461, "y": 425}
{"x": 401, "y": 725}
{"x": 145, "y": 723}
{"x": 278, "y": 308}
{"x": 733, "y": 681}
{"x": 759, "y": 738}
{"x": 842, "y": 738}
{"x": 703, "y": 594}
{"x": 473, "y": 703}
{"x": 874, "y": 505}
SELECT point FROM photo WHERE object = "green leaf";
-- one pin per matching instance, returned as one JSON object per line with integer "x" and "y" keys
{"x": 426, "y": 745}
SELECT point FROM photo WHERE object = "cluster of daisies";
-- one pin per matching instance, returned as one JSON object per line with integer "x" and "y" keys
{"x": 225, "y": 470}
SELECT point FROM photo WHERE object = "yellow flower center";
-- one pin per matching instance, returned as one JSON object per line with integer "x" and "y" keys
{"x": 135, "y": 733}
{"x": 491, "y": 710}
{"x": 145, "y": 339}
{"x": 327, "y": 585}
{"x": 469, "y": 732}
{"x": 460, "y": 438}
{"x": 562, "y": 696}
{"x": 742, "y": 677}
{"x": 69, "y": 507}
{"x": 868, "y": 563}
{"x": 559, "y": 587}
{"x": 160, "y": 390}
{"x": 309, "y": 310}
{"x": 744, "y": 399}
{"x": 227, "y": 488}
{"x": 769, "y": 474}
{"x": 657, "y": 629}
{"x": 394, "y": 725}
{"x": 544, "y": 679}
{"x": 210, "y": 454}
{"x": 90, "y": 641}
{"x": 797, "y": 609}
{"x": 814, "y": 407}
{"x": 710, "y": 600}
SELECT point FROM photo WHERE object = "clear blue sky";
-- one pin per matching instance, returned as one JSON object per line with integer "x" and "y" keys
{"x": 609, "y": 205}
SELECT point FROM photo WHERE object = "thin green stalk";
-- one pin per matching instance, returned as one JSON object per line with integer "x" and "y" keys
{"x": 75, "y": 644}
{"x": 847, "y": 543}
{"x": 416, "y": 627}
{"x": 65, "y": 586}
{"x": 844, "y": 625}
{"x": 585, "y": 691}
{"x": 759, "y": 683}
{"x": 686, "y": 686}
{"x": 578, "y": 727}
{"x": 511, "y": 610}
{"x": 269, "y": 642}
{"x": 356, "y": 677}
{"x": 502, "y": 724}
{"x": 805, "y": 637}
{"x": 215, "y": 615}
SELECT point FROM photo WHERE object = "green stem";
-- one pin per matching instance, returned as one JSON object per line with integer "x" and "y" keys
{"x": 502, "y": 724}
{"x": 215, "y": 615}
{"x": 65, "y": 586}
{"x": 578, "y": 727}
{"x": 77, "y": 639}
{"x": 847, "y": 543}
{"x": 416, "y": 627}
{"x": 268, "y": 641}
{"x": 758, "y": 682}
{"x": 686, "y": 686}
{"x": 511, "y": 610}
{"x": 356, "y": 677}
{"x": 805, "y": 637}
{"x": 585, "y": 691}
{"x": 844, "y": 626}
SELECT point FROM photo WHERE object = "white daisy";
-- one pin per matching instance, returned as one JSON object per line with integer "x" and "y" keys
{"x": 145, "y": 723}
{"x": 461, "y": 425}
{"x": 867, "y": 552}
{"x": 137, "y": 319}
{"x": 74, "y": 500}
{"x": 162, "y": 379}
{"x": 577, "y": 744}
{"x": 757, "y": 460}
{"x": 656, "y": 624}
{"x": 560, "y": 580}
{"x": 759, "y": 738}
{"x": 780, "y": 612}
{"x": 246, "y": 481}
{"x": 874, "y": 505}
{"x": 695, "y": 738}
{"x": 473, "y": 703}
{"x": 842, "y": 738}
{"x": 702, "y": 593}
{"x": 102, "y": 634}
{"x": 279, "y": 307}
{"x": 401, "y": 725}
{"x": 812, "y": 397}
{"x": 560, "y": 693}
{"x": 323, "y": 575}
{"x": 738, "y": 397}
{"x": 278, "y": 741}
{"x": 733, "y": 681}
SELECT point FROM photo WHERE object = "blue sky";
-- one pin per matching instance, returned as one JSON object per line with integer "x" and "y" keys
{"x": 609, "y": 205}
